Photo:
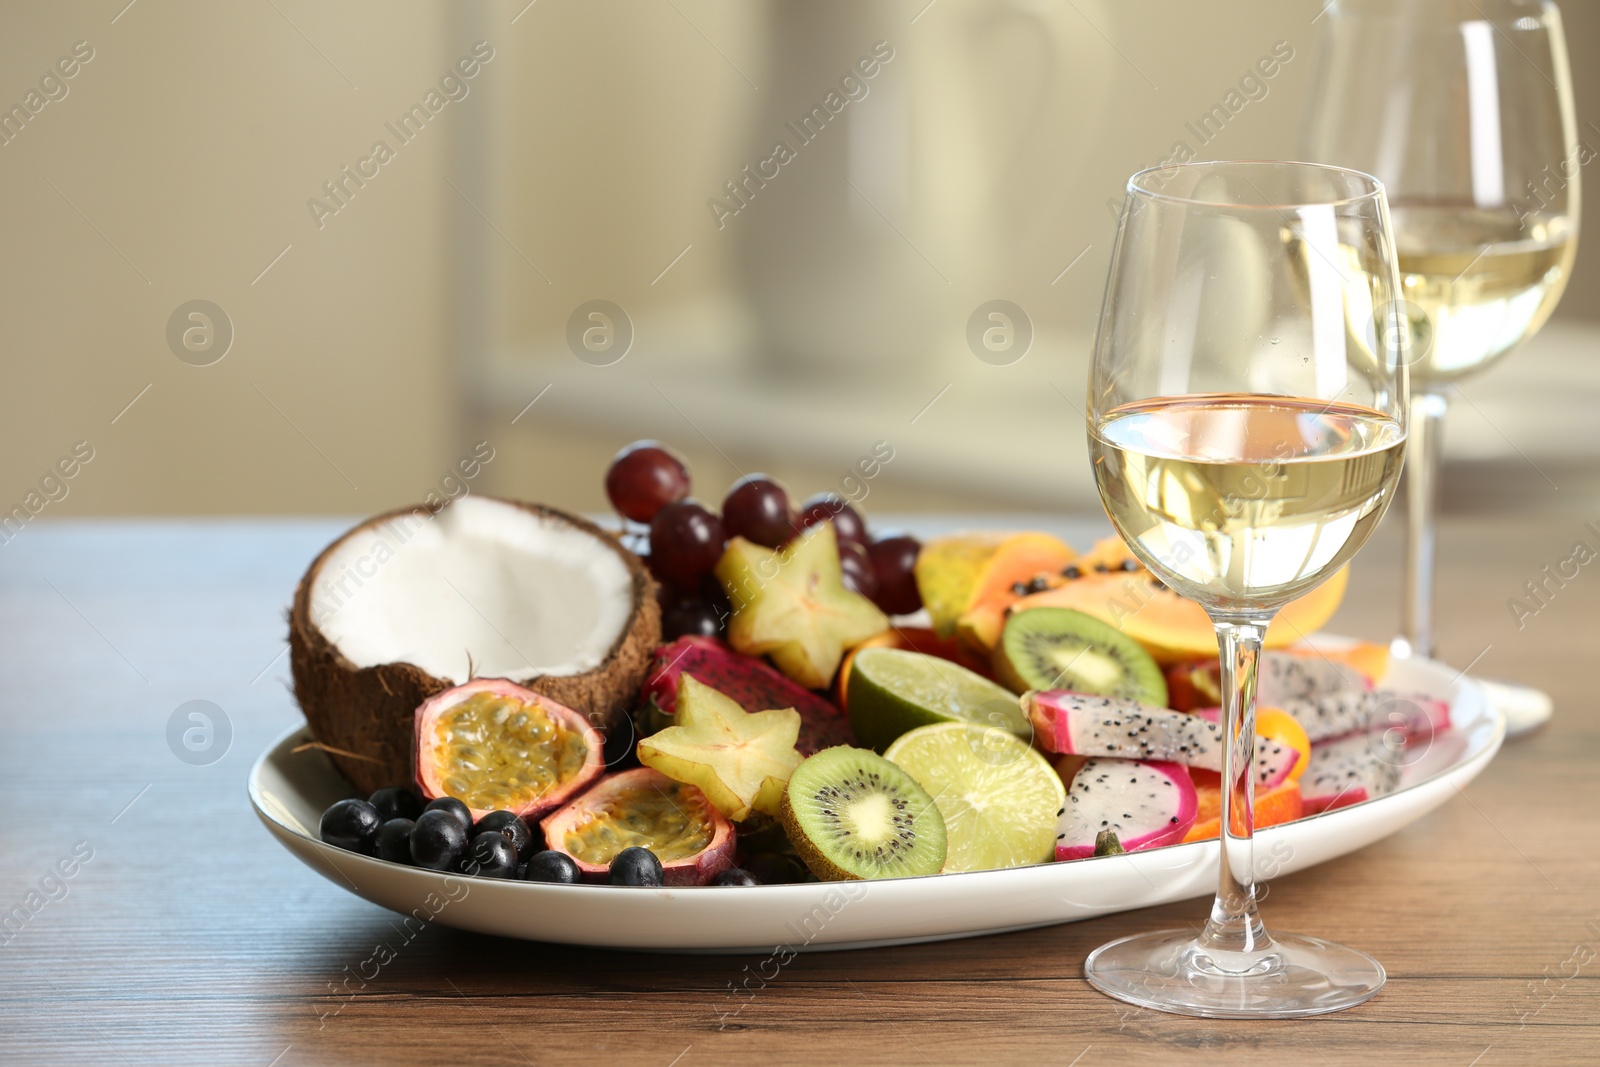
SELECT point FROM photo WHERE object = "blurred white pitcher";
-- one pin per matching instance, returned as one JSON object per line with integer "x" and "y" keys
{"x": 895, "y": 164}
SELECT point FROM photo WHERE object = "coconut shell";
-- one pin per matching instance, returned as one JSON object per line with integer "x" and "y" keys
{"x": 370, "y": 712}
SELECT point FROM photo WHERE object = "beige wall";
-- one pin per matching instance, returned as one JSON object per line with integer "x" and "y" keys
{"x": 189, "y": 145}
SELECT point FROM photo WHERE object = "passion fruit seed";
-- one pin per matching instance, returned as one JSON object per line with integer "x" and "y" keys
{"x": 352, "y": 825}
{"x": 512, "y": 825}
{"x": 457, "y": 810}
{"x": 394, "y": 840}
{"x": 439, "y": 840}
{"x": 491, "y": 855}
{"x": 396, "y": 802}
{"x": 735, "y": 876}
{"x": 496, "y": 751}
{"x": 636, "y": 866}
{"x": 552, "y": 866}
{"x": 673, "y": 822}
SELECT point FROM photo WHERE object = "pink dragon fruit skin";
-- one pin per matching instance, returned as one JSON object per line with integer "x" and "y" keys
{"x": 750, "y": 682}
{"x": 1109, "y": 727}
{"x": 1146, "y": 803}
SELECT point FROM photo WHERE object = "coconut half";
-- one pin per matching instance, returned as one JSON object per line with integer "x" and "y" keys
{"x": 410, "y": 603}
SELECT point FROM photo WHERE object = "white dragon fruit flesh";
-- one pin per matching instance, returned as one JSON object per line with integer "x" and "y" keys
{"x": 1286, "y": 676}
{"x": 1145, "y": 803}
{"x": 1336, "y": 714}
{"x": 1110, "y": 727}
{"x": 1350, "y": 770}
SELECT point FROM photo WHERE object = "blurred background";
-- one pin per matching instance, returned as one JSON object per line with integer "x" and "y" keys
{"x": 580, "y": 230}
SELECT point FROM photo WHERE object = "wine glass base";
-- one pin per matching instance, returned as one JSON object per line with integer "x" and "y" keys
{"x": 1170, "y": 972}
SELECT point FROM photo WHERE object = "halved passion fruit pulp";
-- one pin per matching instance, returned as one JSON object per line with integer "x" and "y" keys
{"x": 643, "y": 807}
{"x": 496, "y": 746}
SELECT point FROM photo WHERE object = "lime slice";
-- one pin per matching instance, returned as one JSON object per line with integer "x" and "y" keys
{"x": 999, "y": 798}
{"x": 893, "y": 691}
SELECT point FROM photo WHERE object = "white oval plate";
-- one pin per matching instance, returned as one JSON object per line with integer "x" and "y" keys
{"x": 290, "y": 791}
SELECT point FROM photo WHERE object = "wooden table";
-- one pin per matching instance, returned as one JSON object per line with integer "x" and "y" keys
{"x": 188, "y": 936}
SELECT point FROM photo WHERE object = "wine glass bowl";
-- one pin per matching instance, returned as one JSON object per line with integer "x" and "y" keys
{"x": 1272, "y": 280}
{"x": 1247, "y": 416}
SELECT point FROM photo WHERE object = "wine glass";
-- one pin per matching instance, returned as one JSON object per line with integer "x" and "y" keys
{"x": 1463, "y": 109}
{"x": 1246, "y": 416}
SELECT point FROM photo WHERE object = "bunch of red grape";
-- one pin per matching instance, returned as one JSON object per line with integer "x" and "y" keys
{"x": 649, "y": 484}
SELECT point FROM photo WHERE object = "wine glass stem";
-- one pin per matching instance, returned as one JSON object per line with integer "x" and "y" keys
{"x": 1234, "y": 926}
{"x": 1424, "y": 445}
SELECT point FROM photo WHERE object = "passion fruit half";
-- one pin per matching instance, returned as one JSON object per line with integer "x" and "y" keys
{"x": 497, "y": 746}
{"x": 643, "y": 807}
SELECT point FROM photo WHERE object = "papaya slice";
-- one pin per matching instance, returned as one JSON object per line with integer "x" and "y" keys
{"x": 1368, "y": 657}
{"x": 967, "y": 580}
{"x": 1170, "y": 627}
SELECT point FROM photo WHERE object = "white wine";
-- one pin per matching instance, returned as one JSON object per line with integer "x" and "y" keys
{"x": 1242, "y": 501}
{"x": 1486, "y": 280}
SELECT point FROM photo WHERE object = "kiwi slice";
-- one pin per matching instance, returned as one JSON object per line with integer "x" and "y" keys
{"x": 851, "y": 814}
{"x": 1058, "y": 648}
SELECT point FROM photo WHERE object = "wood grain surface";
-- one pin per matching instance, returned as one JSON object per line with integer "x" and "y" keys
{"x": 188, "y": 936}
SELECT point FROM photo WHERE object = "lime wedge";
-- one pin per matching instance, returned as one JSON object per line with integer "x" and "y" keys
{"x": 999, "y": 798}
{"x": 893, "y": 690}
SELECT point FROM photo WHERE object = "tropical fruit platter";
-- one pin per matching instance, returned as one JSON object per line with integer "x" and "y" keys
{"x": 769, "y": 693}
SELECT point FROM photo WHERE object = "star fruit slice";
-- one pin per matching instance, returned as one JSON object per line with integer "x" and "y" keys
{"x": 740, "y": 760}
{"x": 791, "y": 604}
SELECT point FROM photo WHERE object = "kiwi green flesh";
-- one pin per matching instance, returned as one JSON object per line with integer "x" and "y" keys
{"x": 1058, "y": 648}
{"x": 851, "y": 814}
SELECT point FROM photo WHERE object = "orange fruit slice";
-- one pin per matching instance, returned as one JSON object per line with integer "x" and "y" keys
{"x": 1279, "y": 805}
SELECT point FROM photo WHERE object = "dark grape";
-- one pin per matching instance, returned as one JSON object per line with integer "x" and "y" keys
{"x": 644, "y": 478}
{"x": 456, "y": 809}
{"x": 686, "y": 541}
{"x": 857, "y": 569}
{"x": 491, "y": 855}
{"x": 636, "y": 866}
{"x": 894, "y": 558}
{"x": 847, "y": 522}
{"x": 394, "y": 840}
{"x": 512, "y": 825}
{"x": 353, "y": 825}
{"x": 757, "y": 509}
{"x": 734, "y": 876}
{"x": 438, "y": 840}
{"x": 691, "y": 618}
{"x": 397, "y": 802}
{"x": 773, "y": 868}
{"x": 551, "y": 866}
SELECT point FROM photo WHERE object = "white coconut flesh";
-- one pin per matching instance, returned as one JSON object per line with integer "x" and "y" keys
{"x": 521, "y": 594}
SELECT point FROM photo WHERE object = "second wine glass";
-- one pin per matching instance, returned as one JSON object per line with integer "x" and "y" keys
{"x": 1247, "y": 412}
{"x": 1463, "y": 109}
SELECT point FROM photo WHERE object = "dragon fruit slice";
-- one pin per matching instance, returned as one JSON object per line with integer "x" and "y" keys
{"x": 1085, "y": 725}
{"x": 1351, "y": 711}
{"x": 750, "y": 682}
{"x": 1147, "y": 805}
{"x": 1349, "y": 770}
{"x": 1287, "y": 676}
{"x": 1284, "y": 676}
